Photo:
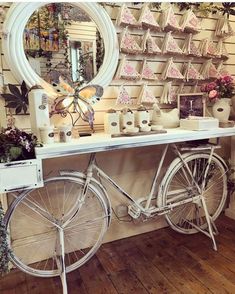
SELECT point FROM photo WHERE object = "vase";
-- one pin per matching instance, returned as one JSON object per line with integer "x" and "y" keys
{"x": 221, "y": 109}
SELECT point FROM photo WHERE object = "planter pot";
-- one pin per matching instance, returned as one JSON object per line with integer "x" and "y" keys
{"x": 20, "y": 175}
{"x": 221, "y": 109}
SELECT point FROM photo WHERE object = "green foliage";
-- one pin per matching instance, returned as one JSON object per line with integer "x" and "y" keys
{"x": 17, "y": 99}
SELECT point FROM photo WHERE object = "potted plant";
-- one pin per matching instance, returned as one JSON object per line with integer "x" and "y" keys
{"x": 220, "y": 91}
{"x": 17, "y": 159}
{"x": 16, "y": 145}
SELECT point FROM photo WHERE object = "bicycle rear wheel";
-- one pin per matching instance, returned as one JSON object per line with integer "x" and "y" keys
{"x": 35, "y": 216}
{"x": 178, "y": 185}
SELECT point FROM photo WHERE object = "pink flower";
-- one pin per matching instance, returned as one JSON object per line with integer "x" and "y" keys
{"x": 211, "y": 86}
{"x": 213, "y": 94}
{"x": 226, "y": 79}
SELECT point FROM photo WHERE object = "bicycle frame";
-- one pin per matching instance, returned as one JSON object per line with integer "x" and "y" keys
{"x": 136, "y": 209}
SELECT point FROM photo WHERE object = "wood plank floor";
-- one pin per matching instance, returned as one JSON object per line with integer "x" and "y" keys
{"x": 162, "y": 261}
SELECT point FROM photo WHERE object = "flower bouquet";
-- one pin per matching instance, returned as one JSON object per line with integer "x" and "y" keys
{"x": 222, "y": 87}
{"x": 16, "y": 145}
{"x": 220, "y": 92}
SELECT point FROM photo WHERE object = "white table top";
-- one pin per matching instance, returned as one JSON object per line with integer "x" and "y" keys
{"x": 103, "y": 142}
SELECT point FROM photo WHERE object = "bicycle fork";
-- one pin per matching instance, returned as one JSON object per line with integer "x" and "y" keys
{"x": 60, "y": 259}
{"x": 60, "y": 255}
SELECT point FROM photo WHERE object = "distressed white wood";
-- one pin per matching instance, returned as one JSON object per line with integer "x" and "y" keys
{"x": 13, "y": 48}
{"x": 104, "y": 142}
{"x": 230, "y": 211}
{"x": 20, "y": 175}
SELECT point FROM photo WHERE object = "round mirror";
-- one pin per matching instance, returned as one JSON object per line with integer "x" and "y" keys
{"x": 61, "y": 40}
{"x": 16, "y": 40}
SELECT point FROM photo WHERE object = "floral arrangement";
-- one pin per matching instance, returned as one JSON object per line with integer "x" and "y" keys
{"x": 16, "y": 145}
{"x": 222, "y": 87}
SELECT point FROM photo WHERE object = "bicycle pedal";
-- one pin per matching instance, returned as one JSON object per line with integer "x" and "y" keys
{"x": 134, "y": 211}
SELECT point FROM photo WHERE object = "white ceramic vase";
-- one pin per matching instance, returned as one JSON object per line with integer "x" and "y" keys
{"x": 221, "y": 109}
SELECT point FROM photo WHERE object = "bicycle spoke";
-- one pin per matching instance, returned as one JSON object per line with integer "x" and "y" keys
{"x": 183, "y": 183}
{"x": 44, "y": 210}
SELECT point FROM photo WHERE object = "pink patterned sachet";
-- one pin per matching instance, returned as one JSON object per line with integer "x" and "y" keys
{"x": 147, "y": 20}
{"x": 146, "y": 96}
{"x": 125, "y": 17}
{"x": 123, "y": 97}
{"x": 128, "y": 43}
{"x": 146, "y": 72}
{"x": 170, "y": 46}
{"x": 126, "y": 70}
{"x": 149, "y": 45}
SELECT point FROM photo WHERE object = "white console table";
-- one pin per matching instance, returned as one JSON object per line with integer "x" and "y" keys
{"x": 103, "y": 142}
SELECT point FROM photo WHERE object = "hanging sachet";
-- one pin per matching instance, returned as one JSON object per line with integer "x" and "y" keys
{"x": 126, "y": 70}
{"x": 170, "y": 93}
{"x": 123, "y": 96}
{"x": 208, "y": 70}
{"x": 125, "y": 17}
{"x": 128, "y": 43}
{"x": 223, "y": 28}
{"x": 208, "y": 48}
{"x": 168, "y": 20}
{"x": 149, "y": 45}
{"x": 165, "y": 97}
{"x": 170, "y": 46}
{"x": 190, "y": 23}
{"x": 191, "y": 73}
{"x": 147, "y": 20}
{"x": 146, "y": 96}
{"x": 222, "y": 51}
{"x": 221, "y": 69}
{"x": 171, "y": 71}
{"x": 189, "y": 47}
{"x": 147, "y": 73}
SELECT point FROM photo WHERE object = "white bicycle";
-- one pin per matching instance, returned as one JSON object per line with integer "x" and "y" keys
{"x": 71, "y": 213}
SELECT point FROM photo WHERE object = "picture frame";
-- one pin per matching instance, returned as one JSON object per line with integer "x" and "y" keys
{"x": 191, "y": 104}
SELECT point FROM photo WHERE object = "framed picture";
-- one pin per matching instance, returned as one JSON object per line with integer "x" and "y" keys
{"x": 191, "y": 104}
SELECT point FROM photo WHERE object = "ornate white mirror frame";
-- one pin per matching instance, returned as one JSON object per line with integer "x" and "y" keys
{"x": 13, "y": 48}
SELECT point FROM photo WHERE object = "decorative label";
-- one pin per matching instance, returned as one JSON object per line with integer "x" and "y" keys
{"x": 44, "y": 99}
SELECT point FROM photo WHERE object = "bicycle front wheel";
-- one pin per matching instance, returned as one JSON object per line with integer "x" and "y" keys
{"x": 178, "y": 185}
{"x": 35, "y": 216}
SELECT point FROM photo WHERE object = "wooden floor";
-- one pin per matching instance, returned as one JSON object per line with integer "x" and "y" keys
{"x": 162, "y": 261}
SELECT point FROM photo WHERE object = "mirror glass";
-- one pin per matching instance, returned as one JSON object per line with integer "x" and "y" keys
{"x": 61, "y": 40}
